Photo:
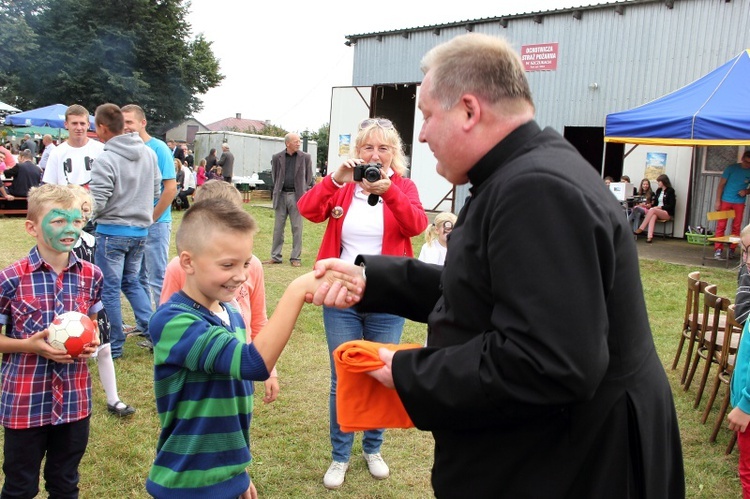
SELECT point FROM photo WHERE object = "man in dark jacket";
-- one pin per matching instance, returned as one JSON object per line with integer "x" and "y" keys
{"x": 540, "y": 377}
{"x": 226, "y": 162}
{"x": 25, "y": 175}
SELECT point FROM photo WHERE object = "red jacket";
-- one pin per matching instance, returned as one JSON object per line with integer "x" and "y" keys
{"x": 403, "y": 215}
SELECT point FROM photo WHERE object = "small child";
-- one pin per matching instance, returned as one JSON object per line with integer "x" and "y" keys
{"x": 739, "y": 417}
{"x": 45, "y": 405}
{"x": 203, "y": 365}
{"x": 85, "y": 250}
{"x": 436, "y": 236}
{"x": 250, "y": 298}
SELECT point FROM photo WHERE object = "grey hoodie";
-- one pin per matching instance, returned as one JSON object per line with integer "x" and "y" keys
{"x": 125, "y": 181}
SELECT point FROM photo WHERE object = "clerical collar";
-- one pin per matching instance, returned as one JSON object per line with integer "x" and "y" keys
{"x": 502, "y": 152}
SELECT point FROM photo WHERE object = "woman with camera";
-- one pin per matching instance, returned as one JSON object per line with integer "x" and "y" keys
{"x": 371, "y": 208}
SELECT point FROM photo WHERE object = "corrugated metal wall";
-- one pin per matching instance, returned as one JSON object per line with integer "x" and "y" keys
{"x": 647, "y": 51}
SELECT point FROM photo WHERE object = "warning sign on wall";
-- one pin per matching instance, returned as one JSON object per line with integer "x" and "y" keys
{"x": 539, "y": 57}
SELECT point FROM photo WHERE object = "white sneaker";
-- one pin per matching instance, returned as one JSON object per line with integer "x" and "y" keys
{"x": 335, "y": 475}
{"x": 717, "y": 254}
{"x": 378, "y": 468}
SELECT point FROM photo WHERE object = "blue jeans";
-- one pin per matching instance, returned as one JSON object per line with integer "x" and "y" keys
{"x": 155, "y": 260}
{"x": 120, "y": 259}
{"x": 344, "y": 325}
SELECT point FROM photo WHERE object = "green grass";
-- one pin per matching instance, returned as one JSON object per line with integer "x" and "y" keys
{"x": 290, "y": 445}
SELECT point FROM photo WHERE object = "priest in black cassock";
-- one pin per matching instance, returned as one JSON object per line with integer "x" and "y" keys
{"x": 540, "y": 378}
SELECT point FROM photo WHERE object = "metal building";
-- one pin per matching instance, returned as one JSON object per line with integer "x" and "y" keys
{"x": 608, "y": 57}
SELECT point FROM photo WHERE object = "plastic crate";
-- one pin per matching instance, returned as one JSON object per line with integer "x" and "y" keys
{"x": 697, "y": 238}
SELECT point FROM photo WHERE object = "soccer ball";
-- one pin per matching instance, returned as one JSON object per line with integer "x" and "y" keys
{"x": 71, "y": 332}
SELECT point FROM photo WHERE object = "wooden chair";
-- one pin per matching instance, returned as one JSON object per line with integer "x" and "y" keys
{"x": 690, "y": 322}
{"x": 711, "y": 338}
{"x": 725, "y": 359}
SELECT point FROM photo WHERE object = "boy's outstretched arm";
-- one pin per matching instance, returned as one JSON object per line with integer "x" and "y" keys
{"x": 274, "y": 336}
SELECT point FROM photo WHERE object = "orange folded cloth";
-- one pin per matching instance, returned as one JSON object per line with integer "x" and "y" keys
{"x": 362, "y": 402}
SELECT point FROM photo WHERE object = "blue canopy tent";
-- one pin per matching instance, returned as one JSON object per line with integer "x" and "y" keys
{"x": 50, "y": 116}
{"x": 713, "y": 110}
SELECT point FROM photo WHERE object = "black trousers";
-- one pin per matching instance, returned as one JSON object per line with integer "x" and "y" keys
{"x": 23, "y": 451}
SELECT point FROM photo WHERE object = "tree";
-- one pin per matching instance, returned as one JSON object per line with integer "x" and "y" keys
{"x": 321, "y": 137}
{"x": 139, "y": 52}
{"x": 20, "y": 44}
{"x": 268, "y": 130}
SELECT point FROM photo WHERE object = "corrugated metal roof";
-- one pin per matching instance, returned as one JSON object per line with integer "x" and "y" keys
{"x": 352, "y": 38}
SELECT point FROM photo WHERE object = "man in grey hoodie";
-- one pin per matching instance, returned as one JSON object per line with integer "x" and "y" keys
{"x": 125, "y": 181}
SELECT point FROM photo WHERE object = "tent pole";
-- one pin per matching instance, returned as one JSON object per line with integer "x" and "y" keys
{"x": 629, "y": 151}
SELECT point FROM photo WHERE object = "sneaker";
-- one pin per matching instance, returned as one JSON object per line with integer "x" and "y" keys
{"x": 732, "y": 254}
{"x": 717, "y": 254}
{"x": 335, "y": 475}
{"x": 146, "y": 344}
{"x": 378, "y": 468}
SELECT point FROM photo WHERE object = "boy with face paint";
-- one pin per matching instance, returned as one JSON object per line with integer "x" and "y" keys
{"x": 45, "y": 405}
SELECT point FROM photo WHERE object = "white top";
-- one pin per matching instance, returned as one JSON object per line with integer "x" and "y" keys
{"x": 189, "y": 179}
{"x": 55, "y": 172}
{"x": 433, "y": 252}
{"x": 45, "y": 155}
{"x": 362, "y": 231}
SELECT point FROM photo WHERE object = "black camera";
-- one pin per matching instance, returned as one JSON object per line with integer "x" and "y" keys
{"x": 369, "y": 172}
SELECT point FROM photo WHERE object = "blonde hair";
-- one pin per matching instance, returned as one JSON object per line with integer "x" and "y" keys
{"x": 210, "y": 215}
{"x": 485, "y": 66}
{"x": 218, "y": 189}
{"x": 85, "y": 198}
{"x": 390, "y": 137}
{"x": 432, "y": 230}
{"x": 745, "y": 231}
{"x": 41, "y": 199}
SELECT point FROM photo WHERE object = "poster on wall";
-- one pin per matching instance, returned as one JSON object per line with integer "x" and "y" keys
{"x": 656, "y": 164}
{"x": 344, "y": 144}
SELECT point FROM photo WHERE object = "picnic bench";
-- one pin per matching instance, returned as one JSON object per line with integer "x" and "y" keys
{"x": 19, "y": 206}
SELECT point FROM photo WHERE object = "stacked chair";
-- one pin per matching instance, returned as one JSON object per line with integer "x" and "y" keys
{"x": 711, "y": 336}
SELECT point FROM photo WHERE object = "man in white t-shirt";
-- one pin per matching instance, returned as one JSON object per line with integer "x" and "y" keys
{"x": 71, "y": 161}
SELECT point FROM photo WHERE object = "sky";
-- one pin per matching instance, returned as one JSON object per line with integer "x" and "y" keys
{"x": 280, "y": 60}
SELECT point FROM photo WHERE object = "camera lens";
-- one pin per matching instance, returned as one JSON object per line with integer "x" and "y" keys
{"x": 372, "y": 173}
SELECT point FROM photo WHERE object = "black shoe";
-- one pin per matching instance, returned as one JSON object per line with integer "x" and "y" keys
{"x": 123, "y": 412}
{"x": 146, "y": 344}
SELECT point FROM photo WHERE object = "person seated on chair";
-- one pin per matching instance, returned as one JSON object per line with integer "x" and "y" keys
{"x": 25, "y": 175}
{"x": 188, "y": 187}
{"x": 639, "y": 210}
{"x": 664, "y": 208}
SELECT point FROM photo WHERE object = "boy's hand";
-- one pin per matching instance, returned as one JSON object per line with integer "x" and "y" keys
{"x": 738, "y": 420}
{"x": 250, "y": 493}
{"x": 341, "y": 284}
{"x": 272, "y": 389}
{"x": 37, "y": 343}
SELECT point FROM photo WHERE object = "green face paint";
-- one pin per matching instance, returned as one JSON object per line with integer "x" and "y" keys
{"x": 62, "y": 228}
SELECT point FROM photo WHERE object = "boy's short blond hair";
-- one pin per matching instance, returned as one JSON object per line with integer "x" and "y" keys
{"x": 218, "y": 189}
{"x": 41, "y": 199}
{"x": 209, "y": 215}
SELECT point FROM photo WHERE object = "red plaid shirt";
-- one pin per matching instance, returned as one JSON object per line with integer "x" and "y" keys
{"x": 37, "y": 391}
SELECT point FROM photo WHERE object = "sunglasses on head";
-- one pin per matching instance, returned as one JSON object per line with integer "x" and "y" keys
{"x": 382, "y": 123}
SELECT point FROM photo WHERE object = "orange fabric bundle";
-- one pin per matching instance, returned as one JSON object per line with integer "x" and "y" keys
{"x": 362, "y": 402}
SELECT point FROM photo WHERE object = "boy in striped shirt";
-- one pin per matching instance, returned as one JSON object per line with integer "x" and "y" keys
{"x": 203, "y": 365}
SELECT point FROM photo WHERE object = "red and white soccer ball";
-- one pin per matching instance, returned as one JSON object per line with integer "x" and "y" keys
{"x": 71, "y": 332}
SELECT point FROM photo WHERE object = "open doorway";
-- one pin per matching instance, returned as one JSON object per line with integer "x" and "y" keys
{"x": 589, "y": 141}
{"x": 397, "y": 102}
